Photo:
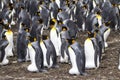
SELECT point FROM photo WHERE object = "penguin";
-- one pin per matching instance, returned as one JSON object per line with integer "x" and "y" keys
{"x": 33, "y": 7}
{"x": 9, "y": 36}
{"x": 64, "y": 58}
{"x": 44, "y": 13}
{"x": 36, "y": 57}
{"x": 54, "y": 36}
{"x": 49, "y": 53}
{"x": 3, "y": 55}
{"x": 36, "y": 29}
{"x": 53, "y": 7}
{"x": 105, "y": 32}
{"x": 22, "y": 42}
{"x": 77, "y": 58}
{"x": 72, "y": 28}
{"x": 92, "y": 52}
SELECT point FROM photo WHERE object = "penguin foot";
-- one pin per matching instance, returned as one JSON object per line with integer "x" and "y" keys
{"x": 32, "y": 68}
{"x": 84, "y": 74}
{"x": 74, "y": 72}
{"x": 55, "y": 66}
{"x": 21, "y": 60}
{"x": 5, "y": 62}
{"x": 119, "y": 67}
{"x": 43, "y": 71}
{"x": 106, "y": 45}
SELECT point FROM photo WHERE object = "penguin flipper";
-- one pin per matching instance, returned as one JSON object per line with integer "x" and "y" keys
{"x": 80, "y": 59}
{"x": 63, "y": 48}
{"x": 48, "y": 56}
{"x": 3, "y": 44}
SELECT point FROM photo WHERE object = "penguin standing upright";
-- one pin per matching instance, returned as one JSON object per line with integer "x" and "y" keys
{"x": 54, "y": 36}
{"x": 9, "y": 37}
{"x": 105, "y": 32}
{"x": 92, "y": 52}
{"x": 22, "y": 43}
{"x": 36, "y": 57}
{"x": 77, "y": 58}
{"x": 3, "y": 54}
{"x": 64, "y": 51}
{"x": 49, "y": 52}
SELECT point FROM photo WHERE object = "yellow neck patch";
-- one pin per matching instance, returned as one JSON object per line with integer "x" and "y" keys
{"x": 88, "y": 40}
{"x": 35, "y": 39}
{"x": 9, "y": 32}
{"x": 99, "y": 16}
{"x": 29, "y": 44}
{"x": 53, "y": 28}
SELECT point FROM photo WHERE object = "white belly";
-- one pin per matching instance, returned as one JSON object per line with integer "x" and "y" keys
{"x": 32, "y": 67}
{"x": 74, "y": 69}
{"x": 44, "y": 50}
{"x": 89, "y": 54}
{"x": 55, "y": 41}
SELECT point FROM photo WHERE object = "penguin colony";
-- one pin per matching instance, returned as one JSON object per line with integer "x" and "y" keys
{"x": 48, "y": 32}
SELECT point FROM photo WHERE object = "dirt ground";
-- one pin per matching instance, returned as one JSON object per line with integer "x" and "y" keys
{"x": 108, "y": 69}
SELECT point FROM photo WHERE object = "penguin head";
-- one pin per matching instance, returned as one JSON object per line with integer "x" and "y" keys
{"x": 11, "y": 6}
{"x": 60, "y": 22}
{"x": 85, "y": 6}
{"x": 27, "y": 29}
{"x": 38, "y": 13}
{"x": 40, "y": 21}
{"x": 114, "y": 5}
{"x": 44, "y": 37}
{"x": 107, "y": 23}
{"x": 59, "y": 10}
{"x": 52, "y": 22}
{"x": 64, "y": 28}
{"x": 41, "y": 2}
{"x": 71, "y": 41}
{"x": 91, "y": 34}
{"x": 73, "y": 2}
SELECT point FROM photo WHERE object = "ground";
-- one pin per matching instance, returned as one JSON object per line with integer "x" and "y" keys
{"x": 108, "y": 69}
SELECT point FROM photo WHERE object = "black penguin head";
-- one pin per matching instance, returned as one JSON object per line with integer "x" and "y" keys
{"x": 41, "y": 2}
{"x": 85, "y": 6}
{"x": 11, "y": 6}
{"x": 73, "y": 2}
{"x": 64, "y": 28}
{"x": 38, "y": 13}
{"x": 26, "y": 29}
{"x": 44, "y": 37}
{"x": 60, "y": 22}
{"x": 59, "y": 10}
{"x": 71, "y": 41}
{"x": 40, "y": 20}
{"x": 22, "y": 7}
{"x": 107, "y": 23}
{"x": 52, "y": 22}
{"x": 91, "y": 34}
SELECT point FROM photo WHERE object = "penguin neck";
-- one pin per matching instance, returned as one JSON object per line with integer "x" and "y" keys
{"x": 53, "y": 27}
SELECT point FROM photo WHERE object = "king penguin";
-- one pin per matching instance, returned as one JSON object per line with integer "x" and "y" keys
{"x": 9, "y": 36}
{"x": 36, "y": 57}
{"x": 22, "y": 43}
{"x": 105, "y": 32}
{"x": 3, "y": 55}
{"x": 92, "y": 52}
{"x": 64, "y": 58}
{"x": 49, "y": 53}
{"x": 77, "y": 58}
{"x": 54, "y": 36}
